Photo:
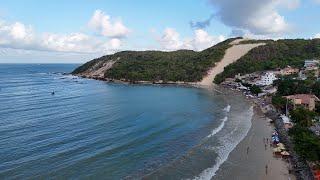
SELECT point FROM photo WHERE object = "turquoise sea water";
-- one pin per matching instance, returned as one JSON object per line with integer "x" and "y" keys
{"x": 93, "y": 129}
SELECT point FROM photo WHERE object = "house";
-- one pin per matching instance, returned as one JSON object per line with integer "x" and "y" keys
{"x": 302, "y": 75}
{"x": 308, "y": 101}
{"x": 266, "y": 79}
{"x": 311, "y": 64}
{"x": 288, "y": 71}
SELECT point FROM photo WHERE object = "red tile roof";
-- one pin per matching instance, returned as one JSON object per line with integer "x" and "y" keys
{"x": 305, "y": 98}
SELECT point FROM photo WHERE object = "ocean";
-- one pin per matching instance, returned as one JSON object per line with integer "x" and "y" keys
{"x": 91, "y": 129}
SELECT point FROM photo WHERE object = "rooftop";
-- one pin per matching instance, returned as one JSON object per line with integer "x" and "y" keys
{"x": 305, "y": 98}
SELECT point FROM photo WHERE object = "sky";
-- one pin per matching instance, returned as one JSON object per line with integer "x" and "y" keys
{"x": 76, "y": 31}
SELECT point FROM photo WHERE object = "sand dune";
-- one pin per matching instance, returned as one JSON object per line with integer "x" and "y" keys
{"x": 232, "y": 55}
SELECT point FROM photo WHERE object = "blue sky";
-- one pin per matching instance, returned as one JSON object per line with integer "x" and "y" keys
{"x": 34, "y": 31}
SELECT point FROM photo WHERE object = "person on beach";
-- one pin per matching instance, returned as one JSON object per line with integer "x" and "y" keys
{"x": 266, "y": 168}
{"x": 265, "y": 146}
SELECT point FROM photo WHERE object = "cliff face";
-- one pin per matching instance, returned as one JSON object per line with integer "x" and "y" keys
{"x": 98, "y": 69}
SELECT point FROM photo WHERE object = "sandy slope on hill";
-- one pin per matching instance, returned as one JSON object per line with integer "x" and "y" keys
{"x": 232, "y": 55}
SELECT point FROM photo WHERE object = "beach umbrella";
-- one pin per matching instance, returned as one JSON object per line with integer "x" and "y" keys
{"x": 280, "y": 145}
{"x": 282, "y": 148}
{"x": 277, "y": 149}
{"x": 285, "y": 153}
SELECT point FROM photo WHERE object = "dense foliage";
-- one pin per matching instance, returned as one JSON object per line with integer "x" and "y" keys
{"x": 302, "y": 117}
{"x": 288, "y": 86}
{"x": 279, "y": 102}
{"x": 255, "y": 89}
{"x": 182, "y": 65}
{"x": 306, "y": 143}
{"x": 275, "y": 54}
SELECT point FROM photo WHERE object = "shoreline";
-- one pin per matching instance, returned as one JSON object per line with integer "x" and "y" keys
{"x": 251, "y": 156}
{"x": 279, "y": 167}
{"x": 248, "y": 160}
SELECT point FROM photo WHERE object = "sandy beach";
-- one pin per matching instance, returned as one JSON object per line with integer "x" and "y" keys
{"x": 251, "y": 156}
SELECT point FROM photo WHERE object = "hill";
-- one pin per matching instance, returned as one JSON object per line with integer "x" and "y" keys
{"x": 275, "y": 54}
{"x": 191, "y": 66}
{"x": 131, "y": 66}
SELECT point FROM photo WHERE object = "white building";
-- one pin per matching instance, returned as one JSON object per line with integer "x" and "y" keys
{"x": 267, "y": 79}
{"x": 309, "y": 64}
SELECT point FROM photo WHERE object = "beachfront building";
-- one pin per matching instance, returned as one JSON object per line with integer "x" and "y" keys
{"x": 307, "y": 101}
{"x": 311, "y": 64}
{"x": 267, "y": 79}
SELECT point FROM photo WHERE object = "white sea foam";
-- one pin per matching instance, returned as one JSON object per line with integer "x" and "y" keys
{"x": 229, "y": 143}
{"x": 227, "y": 109}
{"x": 219, "y": 128}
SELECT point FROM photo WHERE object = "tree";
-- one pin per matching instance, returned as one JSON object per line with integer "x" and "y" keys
{"x": 302, "y": 116}
{"x": 306, "y": 143}
{"x": 318, "y": 108}
{"x": 316, "y": 88}
{"x": 255, "y": 89}
{"x": 279, "y": 102}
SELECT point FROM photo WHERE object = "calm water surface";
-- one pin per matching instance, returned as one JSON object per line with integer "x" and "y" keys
{"x": 91, "y": 129}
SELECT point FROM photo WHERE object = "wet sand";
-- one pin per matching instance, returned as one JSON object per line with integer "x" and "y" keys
{"x": 250, "y": 158}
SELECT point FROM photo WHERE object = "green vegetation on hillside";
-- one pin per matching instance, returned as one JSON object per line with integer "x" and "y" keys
{"x": 291, "y": 86}
{"x": 275, "y": 54}
{"x": 306, "y": 143}
{"x": 182, "y": 65}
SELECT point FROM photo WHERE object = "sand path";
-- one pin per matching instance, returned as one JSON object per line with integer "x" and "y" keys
{"x": 232, "y": 55}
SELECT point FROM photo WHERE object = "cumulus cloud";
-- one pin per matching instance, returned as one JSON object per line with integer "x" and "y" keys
{"x": 171, "y": 40}
{"x": 104, "y": 25}
{"x": 258, "y": 17}
{"x": 76, "y": 42}
{"x": 15, "y": 34}
{"x": 203, "y": 40}
{"x": 20, "y": 36}
{"x": 317, "y": 36}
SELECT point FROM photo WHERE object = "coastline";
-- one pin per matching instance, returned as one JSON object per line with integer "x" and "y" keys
{"x": 251, "y": 156}
{"x": 239, "y": 163}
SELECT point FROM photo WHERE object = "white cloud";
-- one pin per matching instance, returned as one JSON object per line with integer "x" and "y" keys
{"x": 203, "y": 40}
{"x": 19, "y": 36}
{"x": 105, "y": 26}
{"x": 317, "y": 36}
{"x": 170, "y": 40}
{"x": 259, "y": 17}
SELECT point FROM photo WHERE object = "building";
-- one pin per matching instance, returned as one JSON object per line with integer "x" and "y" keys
{"x": 311, "y": 64}
{"x": 288, "y": 71}
{"x": 267, "y": 79}
{"x": 302, "y": 75}
{"x": 307, "y": 101}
